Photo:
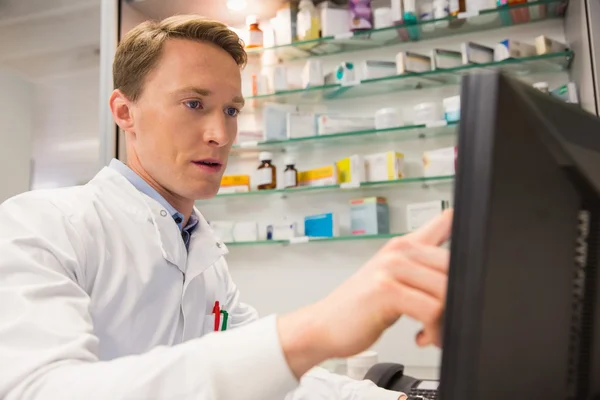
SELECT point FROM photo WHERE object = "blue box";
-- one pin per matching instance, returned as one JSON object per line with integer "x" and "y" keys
{"x": 322, "y": 225}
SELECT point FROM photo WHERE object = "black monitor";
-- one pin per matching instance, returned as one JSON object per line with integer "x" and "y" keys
{"x": 523, "y": 312}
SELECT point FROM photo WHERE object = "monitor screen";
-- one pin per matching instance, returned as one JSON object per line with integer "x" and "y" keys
{"x": 523, "y": 309}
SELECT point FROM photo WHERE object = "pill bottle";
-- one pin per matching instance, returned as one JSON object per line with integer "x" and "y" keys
{"x": 266, "y": 174}
{"x": 290, "y": 175}
{"x": 255, "y": 35}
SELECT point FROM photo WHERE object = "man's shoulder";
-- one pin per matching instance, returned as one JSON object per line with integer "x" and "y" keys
{"x": 70, "y": 203}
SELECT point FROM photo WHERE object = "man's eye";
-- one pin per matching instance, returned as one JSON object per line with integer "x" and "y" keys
{"x": 232, "y": 111}
{"x": 193, "y": 104}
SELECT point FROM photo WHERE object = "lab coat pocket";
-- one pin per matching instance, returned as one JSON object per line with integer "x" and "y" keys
{"x": 209, "y": 324}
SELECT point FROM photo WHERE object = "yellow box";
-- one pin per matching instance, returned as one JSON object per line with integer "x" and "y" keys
{"x": 351, "y": 169}
{"x": 235, "y": 184}
{"x": 318, "y": 177}
{"x": 384, "y": 166}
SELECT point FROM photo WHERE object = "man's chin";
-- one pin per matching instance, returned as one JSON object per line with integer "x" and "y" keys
{"x": 205, "y": 193}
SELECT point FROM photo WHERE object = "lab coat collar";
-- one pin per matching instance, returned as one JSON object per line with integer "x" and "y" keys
{"x": 205, "y": 249}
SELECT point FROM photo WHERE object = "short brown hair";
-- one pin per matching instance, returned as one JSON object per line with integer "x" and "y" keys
{"x": 140, "y": 49}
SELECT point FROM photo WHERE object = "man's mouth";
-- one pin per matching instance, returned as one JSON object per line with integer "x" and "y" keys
{"x": 209, "y": 165}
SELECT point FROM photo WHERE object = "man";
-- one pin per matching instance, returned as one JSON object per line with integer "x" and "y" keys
{"x": 110, "y": 290}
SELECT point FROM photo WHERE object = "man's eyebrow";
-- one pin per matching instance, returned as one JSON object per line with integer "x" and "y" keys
{"x": 239, "y": 99}
{"x": 199, "y": 91}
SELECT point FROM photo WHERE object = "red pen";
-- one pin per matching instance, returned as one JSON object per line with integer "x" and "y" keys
{"x": 217, "y": 312}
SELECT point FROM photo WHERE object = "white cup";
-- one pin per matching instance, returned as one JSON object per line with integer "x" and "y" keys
{"x": 359, "y": 365}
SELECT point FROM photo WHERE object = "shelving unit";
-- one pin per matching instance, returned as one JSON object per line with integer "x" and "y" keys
{"x": 343, "y": 187}
{"x": 306, "y": 269}
{"x": 547, "y": 63}
{"x": 403, "y": 133}
{"x": 485, "y": 20}
{"x": 305, "y": 240}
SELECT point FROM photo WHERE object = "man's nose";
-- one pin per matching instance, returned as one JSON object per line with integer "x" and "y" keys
{"x": 216, "y": 134}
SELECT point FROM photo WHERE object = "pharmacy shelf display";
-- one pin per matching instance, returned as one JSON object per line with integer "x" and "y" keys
{"x": 370, "y": 136}
{"x": 504, "y": 16}
{"x": 425, "y": 181}
{"x": 546, "y": 63}
{"x": 304, "y": 239}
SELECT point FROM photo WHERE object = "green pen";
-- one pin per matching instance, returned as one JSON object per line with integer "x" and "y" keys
{"x": 225, "y": 317}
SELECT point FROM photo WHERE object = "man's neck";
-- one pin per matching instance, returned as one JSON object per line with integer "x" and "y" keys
{"x": 184, "y": 206}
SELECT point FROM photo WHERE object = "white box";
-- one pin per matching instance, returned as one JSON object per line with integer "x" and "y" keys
{"x": 275, "y": 121}
{"x": 301, "y": 124}
{"x": 513, "y": 49}
{"x": 440, "y": 162}
{"x": 545, "y": 45}
{"x": 331, "y": 124}
{"x": 334, "y": 20}
{"x": 473, "y": 53}
{"x": 371, "y": 69}
{"x": 282, "y": 230}
{"x": 246, "y": 231}
{"x": 312, "y": 74}
{"x": 409, "y": 62}
{"x": 419, "y": 214}
{"x": 384, "y": 166}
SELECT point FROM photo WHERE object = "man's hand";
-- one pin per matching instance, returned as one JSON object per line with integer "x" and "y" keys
{"x": 408, "y": 276}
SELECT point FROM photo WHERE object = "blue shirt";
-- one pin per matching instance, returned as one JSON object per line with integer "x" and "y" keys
{"x": 144, "y": 187}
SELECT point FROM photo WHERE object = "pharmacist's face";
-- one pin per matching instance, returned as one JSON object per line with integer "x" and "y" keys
{"x": 186, "y": 117}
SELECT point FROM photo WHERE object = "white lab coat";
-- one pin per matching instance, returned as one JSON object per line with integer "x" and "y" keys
{"x": 99, "y": 299}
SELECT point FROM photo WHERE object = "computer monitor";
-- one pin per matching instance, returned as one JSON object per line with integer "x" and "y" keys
{"x": 523, "y": 311}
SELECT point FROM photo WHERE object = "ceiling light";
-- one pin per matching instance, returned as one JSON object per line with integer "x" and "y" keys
{"x": 237, "y": 5}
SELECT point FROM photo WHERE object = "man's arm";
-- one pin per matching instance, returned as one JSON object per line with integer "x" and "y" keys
{"x": 48, "y": 347}
{"x": 318, "y": 382}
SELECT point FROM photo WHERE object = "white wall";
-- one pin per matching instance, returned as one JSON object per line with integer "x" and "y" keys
{"x": 277, "y": 279}
{"x": 65, "y": 125}
{"x": 16, "y": 106}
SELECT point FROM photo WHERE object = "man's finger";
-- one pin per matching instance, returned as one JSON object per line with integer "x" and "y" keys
{"x": 437, "y": 258}
{"x": 437, "y": 231}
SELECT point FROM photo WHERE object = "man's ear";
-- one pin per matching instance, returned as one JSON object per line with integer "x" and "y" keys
{"x": 120, "y": 106}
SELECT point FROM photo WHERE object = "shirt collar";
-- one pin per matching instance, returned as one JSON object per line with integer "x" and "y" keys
{"x": 149, "y": 191}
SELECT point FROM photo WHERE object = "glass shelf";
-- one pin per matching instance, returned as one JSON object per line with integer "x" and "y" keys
{"x": 547, "y": 63}
{"x": 370, "y": 136}
{"x": 334, "y": 188}
{"x": 316, "y": 240}
{"x": 529, "y": 12}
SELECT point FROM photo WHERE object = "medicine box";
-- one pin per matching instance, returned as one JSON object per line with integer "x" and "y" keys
{"x": 284, "y": 25}
{"x": 473, "y": 53}
{"x": 545, "y": 45}
{"x": 283, "y": 230}
{"x": 333, "y": 20}
{"x": 446, "y": 59}
{"x": 312, "y": 74}
{"x": 419, "y": 214}
{"x": 323, "y": 176}
{"x": 235, "y": 184}
{"x": 371, "y": 69}
{"x": 384, "y": 166}
{"x": 513, "y": 49}
{"x": 440, "y": 162}
{"x": 351, "y": 170}
{"x": 275, "y": 121}
{"x": 409, "y": 62}
{"x": 301, "y": 124}
{"x": 322, "y": 225}
{"x": 369, "y": 216}
{"x": 328, "y": 124}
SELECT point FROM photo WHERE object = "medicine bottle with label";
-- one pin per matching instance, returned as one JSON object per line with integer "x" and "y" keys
{"x": 290, "y": 175}
{"x": 266, "y": 175}
{"x": 255, "y": 34}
